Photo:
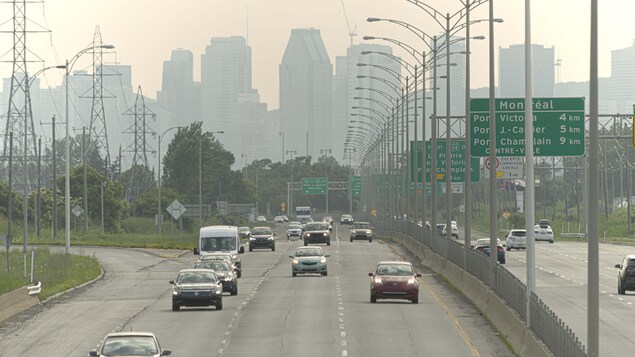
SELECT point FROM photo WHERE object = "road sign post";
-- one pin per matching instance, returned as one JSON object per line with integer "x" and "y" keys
{"x": 558, "y": 127}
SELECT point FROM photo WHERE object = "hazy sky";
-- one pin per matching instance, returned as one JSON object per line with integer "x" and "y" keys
{"x": 146, "y": 31}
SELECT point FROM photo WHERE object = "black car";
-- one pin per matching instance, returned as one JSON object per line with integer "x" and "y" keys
{"x": 626, "y": 275}
{"x": 346, "y": 219}
{"x": 223, "y": 271}
{"x": 262, "y": 237}
{"x": 317, "y": 232}
{"x": 196, "y": 287}
{"x": 230, "y": 258}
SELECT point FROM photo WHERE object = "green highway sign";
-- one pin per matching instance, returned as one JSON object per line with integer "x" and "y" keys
{"x": 356, "y": 185}
{"x": 558, "y": 126}
{"x": 457, "y": 155}
{"x": 314, "y": 185}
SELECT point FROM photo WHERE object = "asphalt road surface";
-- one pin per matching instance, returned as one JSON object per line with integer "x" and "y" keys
{"x": 273, "y": 314}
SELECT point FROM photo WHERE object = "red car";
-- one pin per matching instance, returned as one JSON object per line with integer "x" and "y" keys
{"x": 394, "y": 280}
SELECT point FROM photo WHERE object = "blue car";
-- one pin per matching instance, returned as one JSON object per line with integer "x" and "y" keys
{"x": 482, "y": 245}
{"x": 309, "y": 260}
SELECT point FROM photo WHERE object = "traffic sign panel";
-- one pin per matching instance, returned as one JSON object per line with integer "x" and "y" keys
{"x": 457, "y": 157}
{"x": 356, "y": 185}
{"x": 558, "y": 126}
{"x": 314, "y": 185}
{"x": 176, "y": 209}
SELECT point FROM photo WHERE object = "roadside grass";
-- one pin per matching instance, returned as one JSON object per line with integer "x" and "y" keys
{"x": 56, "y": 270}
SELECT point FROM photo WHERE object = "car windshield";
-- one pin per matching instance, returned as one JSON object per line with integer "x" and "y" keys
{"x": 243, "y": 229}
{"x": 360, "y": 226}
{"x": 216, "y": 244}
{"x": 394, "y": 269}
{"x": 193, "y": 277}
{"x": 316, "y": 227}
{"x": 261, "y": 231}
{"x": 309, "y": 252}
{"x": 295, "y": 226}
{"x": 129, "y": 346}
{"x": 631, "y": 263}
{"x": 216, "y": 265}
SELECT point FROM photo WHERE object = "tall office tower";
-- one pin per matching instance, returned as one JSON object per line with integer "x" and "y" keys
{"x": 306, "y": 94}
{"x": 623, "y": 79}
{"x": 376, "y": 92}
{"x": 511, "y": 76}
{"x": 225, "y": 76}
{"x": 177, "y": 89}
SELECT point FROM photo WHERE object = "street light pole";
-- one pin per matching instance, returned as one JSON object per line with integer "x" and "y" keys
{"x": 281, "y": 133}
{"x": 159, "y": 215}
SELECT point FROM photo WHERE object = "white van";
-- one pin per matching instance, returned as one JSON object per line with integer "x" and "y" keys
{"x": 220, "y": 239}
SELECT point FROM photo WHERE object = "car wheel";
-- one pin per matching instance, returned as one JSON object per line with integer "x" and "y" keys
{"x": 273, "y": 248}
{"x": 234, "y": 292}
{"x": 351, "y": 240}
{"x": 305, "y": 243}
{"x": 370, "y": 240}
{"x": 502, "y": 261}
{"x": 325, "y": 273}
{"x": 373, "y": 299}
{"x": 328, "y": 242}
{"x": 619, "y": 288}
{"x": 251, "y": 249}
{"x": 415, "y": 300}
{"x": 508, "y": 248}
{"x": 551, "y": 241}
{"x": 219, "y": 305}
{"x": 239, "y": 274}
{"x": 294, "y": 274}
{"x": 175, "y": 307}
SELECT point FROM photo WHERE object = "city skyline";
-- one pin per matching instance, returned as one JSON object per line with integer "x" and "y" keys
{"x": 145, "y": 35}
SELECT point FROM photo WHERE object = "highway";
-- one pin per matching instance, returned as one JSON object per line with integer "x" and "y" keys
{"x": 561, "y": 282}
{"x": 272, "y": 315}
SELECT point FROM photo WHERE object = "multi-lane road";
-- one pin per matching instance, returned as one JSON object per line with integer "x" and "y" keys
{"x": 272, "y": 315}
{"x": 561, "y": 282}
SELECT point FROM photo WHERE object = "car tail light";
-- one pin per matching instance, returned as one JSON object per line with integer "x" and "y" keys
{"x": 536, "y": 232}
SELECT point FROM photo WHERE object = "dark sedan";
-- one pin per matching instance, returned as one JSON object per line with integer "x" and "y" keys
{"x": 394, "y": 280}
{"x": 262, "y": 237}
{"x": 317, "y": 232}
{"x": 224, "y": 272}
{"x": 196, "y": 287}
{"x": 626, "y": 275}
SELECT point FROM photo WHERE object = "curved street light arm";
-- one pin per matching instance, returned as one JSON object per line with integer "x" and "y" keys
{"x": 390, "y": 71}
{"x": 390, "y": 84}
{"x": 391, "y": 99}
{"x": 411, "y": 50}
{"x": 379, "y": 123}
{"x": 380, "y": 103}
{"x": 407, "y": 66}
{"x": 417, "y": 31}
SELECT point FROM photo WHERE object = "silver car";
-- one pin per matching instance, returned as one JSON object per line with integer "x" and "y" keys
{"x": 130, "y": 344}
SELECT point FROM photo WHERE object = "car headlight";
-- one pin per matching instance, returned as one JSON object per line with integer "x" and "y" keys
{"x": 229, "y": 278}
{"x": 176, "y": 291}
{"x": 252, "y": 238}
{"x": 218, "y": 291}
{"x": 377, "y": 280}
{"x": 369, "y": 232}
{"x": 412, "y": 281}
{"x": 235, "y": 257}
{"x": 326, "y": 234}
{"x": 295, "y": 261}
{"x": 322, "y": 260}
{"x": 270, "y": 238}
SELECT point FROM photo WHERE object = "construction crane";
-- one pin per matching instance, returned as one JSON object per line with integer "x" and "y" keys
{"x": 351, "y": 33}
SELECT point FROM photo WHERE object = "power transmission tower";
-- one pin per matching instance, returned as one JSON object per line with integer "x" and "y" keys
{"x": 19, "y": 114}
{"x": 139, "y": 181}
{"x": 97, "y": 130}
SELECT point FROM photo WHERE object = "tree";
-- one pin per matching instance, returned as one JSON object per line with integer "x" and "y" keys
{"x": 181, "y": 165}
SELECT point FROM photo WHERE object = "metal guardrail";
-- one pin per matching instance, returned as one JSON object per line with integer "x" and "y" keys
{"x": 556, "y": 335}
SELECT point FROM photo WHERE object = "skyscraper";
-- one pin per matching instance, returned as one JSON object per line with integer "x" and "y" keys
{"x": 511, "y": 76}
{"x": 177, "y": 89}
{"x": 306, "y": 94}
{"x": 225, "y": 79}
{"x": 623, "y": 78}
